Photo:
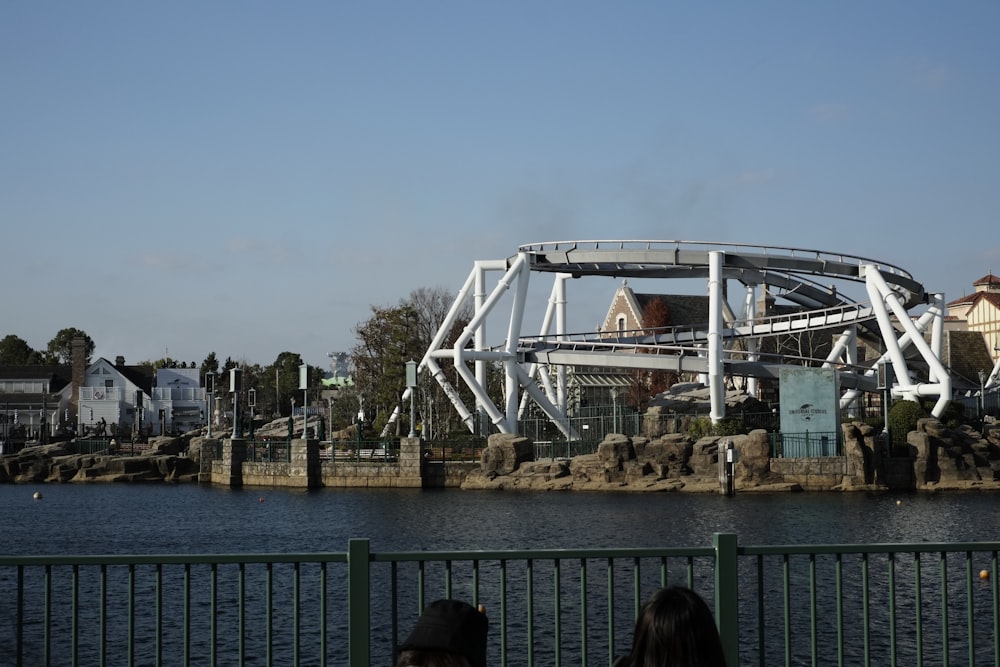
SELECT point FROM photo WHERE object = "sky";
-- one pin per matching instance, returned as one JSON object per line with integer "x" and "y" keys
{"x": 250, "y": 177}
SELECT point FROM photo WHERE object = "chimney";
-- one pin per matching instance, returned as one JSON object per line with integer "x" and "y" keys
{"x": 79, "y": 372}
{"x": 119, "y": 360}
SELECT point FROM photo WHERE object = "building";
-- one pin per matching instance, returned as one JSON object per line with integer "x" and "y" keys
{"x": 34, "y": 401}
{"x": 38, "y": 403}
{"x": 979, "y": 312}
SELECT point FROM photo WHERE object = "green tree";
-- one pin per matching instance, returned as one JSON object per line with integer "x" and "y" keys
{"x": 280, "y": 384}
{"x": 60, "y": 349}
{"x": 15, "y": 351}
{"x": 386, "y": 341}
{"x": 211, "y": 364}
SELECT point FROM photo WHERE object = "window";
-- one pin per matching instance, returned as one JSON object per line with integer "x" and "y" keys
{"x": 621, "y": 323}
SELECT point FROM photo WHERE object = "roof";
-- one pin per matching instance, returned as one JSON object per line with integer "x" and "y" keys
{"x": 58, "y": 375}
{"x": 140, "y": 376}
{"x": 988, "y": 279}
{"x": 992, "y": 297}
{"x": 683, "y": 308}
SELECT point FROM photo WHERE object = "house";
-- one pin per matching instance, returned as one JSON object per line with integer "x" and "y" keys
{"x": 971, "y": 345}
{"x": 629, "y": 310}
{"x": 98, "y": 398}
{"x": 979, "y": 312}
{"x": 108, "y": 397}
{"x": 117, "y": 398}
{"x": 31, "y": 396}
{"x": 632, "y": 314}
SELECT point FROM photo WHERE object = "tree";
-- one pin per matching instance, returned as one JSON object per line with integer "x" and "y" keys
{"x": 15, "y": 351}
{"x": 649, "y": 383}
{"x": 60, "y": 349}
{"x": 211, "y": 364}
{"x": 279, "y": 384}
{"x": 387, "y": 341}
{"x": 432, "y": 306}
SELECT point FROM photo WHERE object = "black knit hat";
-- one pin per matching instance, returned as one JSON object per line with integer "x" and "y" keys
{"x": 451, "y": 626}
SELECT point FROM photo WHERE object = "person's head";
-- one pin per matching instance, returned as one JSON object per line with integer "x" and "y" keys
{"x": 449, "y": 633}
{"x": 676, "y": 628}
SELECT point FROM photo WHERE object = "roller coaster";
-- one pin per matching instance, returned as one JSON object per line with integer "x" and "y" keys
{"x": 815, "y": 283}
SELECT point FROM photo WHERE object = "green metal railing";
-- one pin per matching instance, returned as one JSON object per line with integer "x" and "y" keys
{"x": 900, "y": 604}
{"x": 366, "y": 451}
{"x": 815, "y": 444}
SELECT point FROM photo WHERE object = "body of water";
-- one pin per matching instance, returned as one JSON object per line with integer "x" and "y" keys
{"x": 194, "y": 519}
{"x": 121, "y": 519}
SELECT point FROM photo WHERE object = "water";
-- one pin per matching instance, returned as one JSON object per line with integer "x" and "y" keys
{"x": 186, "y": 519}
{"x": 193, "y": 519}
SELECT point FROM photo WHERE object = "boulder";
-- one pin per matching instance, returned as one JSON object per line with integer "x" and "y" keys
{"x": 614, "y": 450}
{"x": 504, "y": 453}
{"x": 753, "y": 465}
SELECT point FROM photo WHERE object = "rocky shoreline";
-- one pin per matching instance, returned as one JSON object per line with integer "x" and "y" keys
{"x": 166, "y": 460}
{"x": 933, "y": 459}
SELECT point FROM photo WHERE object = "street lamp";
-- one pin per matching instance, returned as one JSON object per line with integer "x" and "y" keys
{"x": 209, "y": 390}
{"x": 235, "y": 383}
{"x": 411, "y": 383}
{"x": 304, "y": 386}
{"x": 982, "y": 393}
{"x": 614, "y": 409}
{"x": 252, "y": 403}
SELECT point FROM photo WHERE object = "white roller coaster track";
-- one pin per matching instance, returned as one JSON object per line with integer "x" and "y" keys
{"x": 710, "y": 350}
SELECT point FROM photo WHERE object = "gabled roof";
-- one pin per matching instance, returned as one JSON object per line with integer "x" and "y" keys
{"x": 140, "y": 376}
{"x": 684, "y": 309}
{"x": 989, "y": 279}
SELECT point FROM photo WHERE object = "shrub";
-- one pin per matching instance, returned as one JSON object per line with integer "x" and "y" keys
{"x": 903, "y": 416}
{"x": 702, "y": 427}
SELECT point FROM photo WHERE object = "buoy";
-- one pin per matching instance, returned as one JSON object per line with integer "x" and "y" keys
{"x": 38, "y": 495}
{"x": 984, "y": 574}
{"x": 260, "y": 500}
{"x": 899, "y": 502}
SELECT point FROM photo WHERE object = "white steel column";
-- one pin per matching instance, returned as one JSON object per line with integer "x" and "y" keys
{"x": 559, "y": 288}
{"x": 717, "y": 390}
{"x": 511, "y": 362}
{"x": 884, "y": 299}
{"x": 479, "y": 298}
{"x": 750, "y": 314}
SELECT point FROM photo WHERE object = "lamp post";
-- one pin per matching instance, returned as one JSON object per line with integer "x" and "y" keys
{"x": 252, "y": 403}
{"x": 982, "y": 393}
{"x": 209, "y": 390}
{"x": 614, "y": 409}
{"x": 411, "y": 384}
{"x": 235, "y": 382}
{"x": 304, "y": 386}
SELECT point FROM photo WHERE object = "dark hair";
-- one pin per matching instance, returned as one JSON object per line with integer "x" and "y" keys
{"x": 676, "y": 628}
{"x": 449, "y": 633}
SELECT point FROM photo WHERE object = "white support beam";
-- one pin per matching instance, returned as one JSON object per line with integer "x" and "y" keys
{"x": 716, "y": 386}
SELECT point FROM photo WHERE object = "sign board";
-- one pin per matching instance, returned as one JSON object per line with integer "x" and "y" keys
{"x": 810, "y": 413}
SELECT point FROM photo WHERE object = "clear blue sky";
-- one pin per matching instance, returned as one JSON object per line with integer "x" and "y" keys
{"x": 250, "y": 177}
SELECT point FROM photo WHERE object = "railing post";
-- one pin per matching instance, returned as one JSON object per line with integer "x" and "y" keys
{"x": 358, "y": 603}
{"x": 727, "y": 594}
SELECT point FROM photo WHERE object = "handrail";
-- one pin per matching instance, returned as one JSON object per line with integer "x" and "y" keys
{"x": 353, "y": 607}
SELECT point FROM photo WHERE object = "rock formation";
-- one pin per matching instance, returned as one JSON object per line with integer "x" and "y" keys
{"x": 167, "y": 460}
{"x": 938, "y": 458}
